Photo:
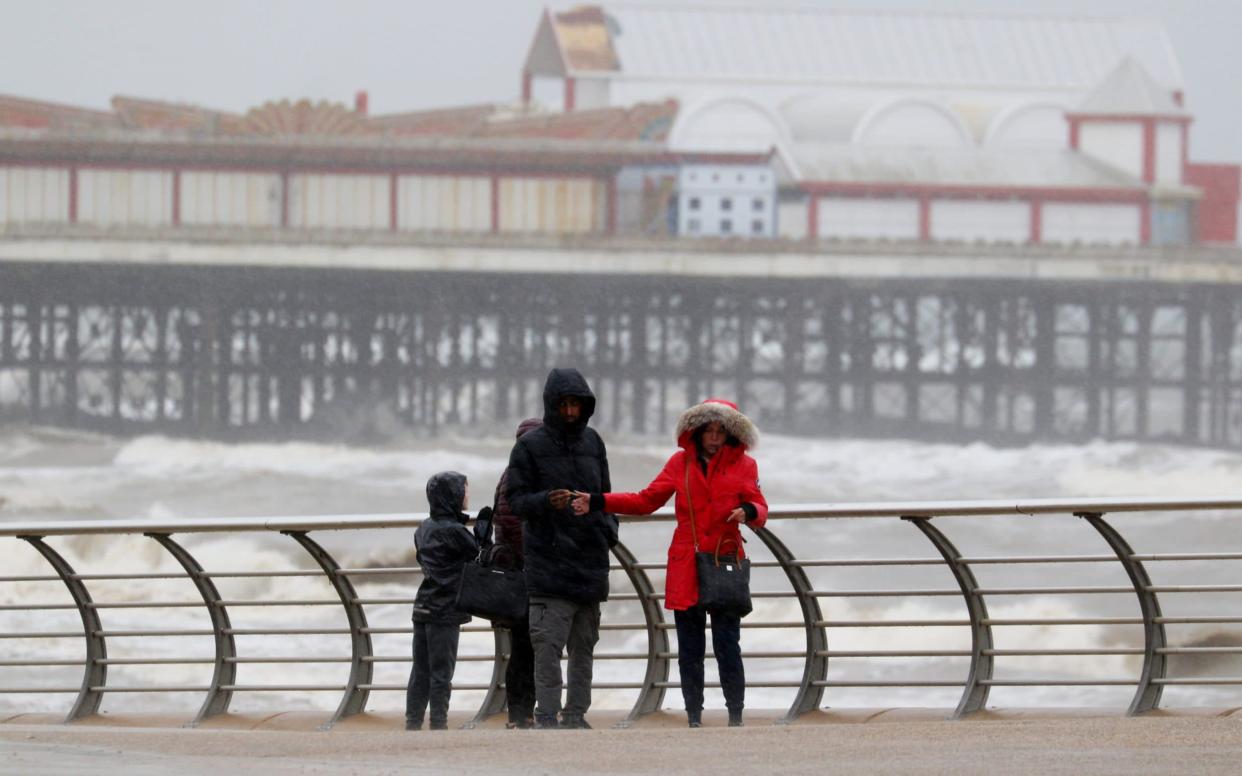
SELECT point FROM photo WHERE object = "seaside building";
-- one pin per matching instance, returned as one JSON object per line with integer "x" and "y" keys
{"x": 719, "y": 123}
{"x": 913, "y": 126}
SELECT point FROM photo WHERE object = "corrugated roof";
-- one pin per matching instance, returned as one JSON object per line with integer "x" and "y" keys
{"x": 38, "y": 114}
{"x": 839, "y": 163}
{"x": 824, "y": 46}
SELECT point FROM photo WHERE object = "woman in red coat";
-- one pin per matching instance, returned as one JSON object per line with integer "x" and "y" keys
{"x": 717, "y": 489}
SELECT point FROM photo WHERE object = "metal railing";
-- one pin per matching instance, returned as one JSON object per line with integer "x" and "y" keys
{"x": 809, "y": 685}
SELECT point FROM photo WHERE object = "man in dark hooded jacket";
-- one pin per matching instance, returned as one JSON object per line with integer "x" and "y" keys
{"x": 566, "y": 555}
{"x": 443, "y": 545}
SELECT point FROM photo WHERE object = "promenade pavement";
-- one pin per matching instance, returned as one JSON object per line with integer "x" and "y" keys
{"x": 877, "y": 741}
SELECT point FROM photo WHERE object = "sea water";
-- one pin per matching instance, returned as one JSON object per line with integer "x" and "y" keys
{"x": 48, "y": 475}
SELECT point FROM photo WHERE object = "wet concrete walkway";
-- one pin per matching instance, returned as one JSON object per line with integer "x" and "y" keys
{"x": 863, "y": 741}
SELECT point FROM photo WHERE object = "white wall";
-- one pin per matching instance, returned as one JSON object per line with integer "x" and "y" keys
{"x": 1169, "y": 152}
{"x": 791, "y": 219}
{"x": 1067, "y": 222}
{"x": 551, "y": 205}
{"x": 339, "y": 201}
{"x": 124, "y": 197}
{"x": 590, "y": 93}
{"x": 444, "y": 203}
{"x": 548, "y": 92}
{"x": 726, "y": 201}
{"x": 1115, "y": 143}
{"x": 868, "y": 218}
{"x": 230, "y": 199}
{"x": 974, "y": 220}
{"x": 34, "y": 195}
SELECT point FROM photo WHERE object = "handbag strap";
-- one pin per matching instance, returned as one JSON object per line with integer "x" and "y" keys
{"x": 689, "y": 503}
{"x": 737, "y": 548}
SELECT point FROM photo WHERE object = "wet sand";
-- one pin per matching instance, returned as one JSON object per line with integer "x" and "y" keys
{"x": 863, "y": 741}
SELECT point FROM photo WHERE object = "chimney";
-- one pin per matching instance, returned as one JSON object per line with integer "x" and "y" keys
{"x": 360, "y": 102}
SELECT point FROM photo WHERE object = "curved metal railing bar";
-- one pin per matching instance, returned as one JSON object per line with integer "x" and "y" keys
{"x": 95, "y": 675}
{"x": 356, "y": 690}
{"x": 651, "y": 694}
{"x": 1150, "y": 684}
{"x": 225, "y": 671}
{"x": 655, "y": 624}
{"x": 815, "y": 666}
{"x": 975, "y": 693}
{"x": 497, "y": 692}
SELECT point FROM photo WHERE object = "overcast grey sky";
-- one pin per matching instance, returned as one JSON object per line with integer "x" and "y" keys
{"x": 235, "y": 54}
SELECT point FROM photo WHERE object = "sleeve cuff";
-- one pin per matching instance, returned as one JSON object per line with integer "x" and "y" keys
{"x": 749, "y": 509}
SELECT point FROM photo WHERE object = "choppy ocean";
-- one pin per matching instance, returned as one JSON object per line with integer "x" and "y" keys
{"x": 55, "y": 475}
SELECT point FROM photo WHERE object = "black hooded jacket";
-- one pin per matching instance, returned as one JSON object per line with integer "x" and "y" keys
{"x": 566, "y": 554}
{"x": 443, "y": 545}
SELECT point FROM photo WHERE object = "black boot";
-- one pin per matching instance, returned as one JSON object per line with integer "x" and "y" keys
{"x": 546, "y": 722}
{"x": 574, "y": 721}
{"x": 735, "y": 718}
{"x": 413, "y": 724}
{"x": 694, "y": 718}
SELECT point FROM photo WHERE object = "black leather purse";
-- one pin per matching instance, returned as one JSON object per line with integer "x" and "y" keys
{"x": 493, "y": 587}
{"x": 724, "y": 581}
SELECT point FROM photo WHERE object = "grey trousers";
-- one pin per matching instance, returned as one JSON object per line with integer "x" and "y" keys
{"x": 557, "y": 625}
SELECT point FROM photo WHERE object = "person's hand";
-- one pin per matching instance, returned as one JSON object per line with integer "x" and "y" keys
{"x": 738, "y": 515}
{"x": 581, "y": 503}
{"x": 559, "y": 499}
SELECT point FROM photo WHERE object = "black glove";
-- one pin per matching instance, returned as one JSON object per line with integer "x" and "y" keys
{"x": 483, "y": 526}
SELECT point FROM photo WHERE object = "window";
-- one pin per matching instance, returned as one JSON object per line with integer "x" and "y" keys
{"x": 726, "y": 226}
{"x": 692, "y": 226}
{"x": 726, "y": 204}
{"x": 756, "y": 204}
{"x": 756, "y": 226}
{"x": 693, "y": 204}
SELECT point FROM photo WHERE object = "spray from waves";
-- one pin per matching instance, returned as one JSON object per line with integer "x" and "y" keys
{"x": 81, "y": 475}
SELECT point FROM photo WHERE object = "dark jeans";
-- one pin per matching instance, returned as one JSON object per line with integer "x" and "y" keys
{"x": 431, "y": 676}
{"x": 558, "y": 625}
{"x": 726, "y": 643}
{"x": 520, "y": 674}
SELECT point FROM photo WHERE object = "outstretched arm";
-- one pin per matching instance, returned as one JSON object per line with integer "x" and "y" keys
{"x": 647, "y": 500}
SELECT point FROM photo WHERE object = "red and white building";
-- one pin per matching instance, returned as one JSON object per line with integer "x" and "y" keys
{"x": 914, "y": 126}
{"x": 313, "y": 167}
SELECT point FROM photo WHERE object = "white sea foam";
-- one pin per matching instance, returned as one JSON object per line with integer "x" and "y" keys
{"x": 55, "y": 475}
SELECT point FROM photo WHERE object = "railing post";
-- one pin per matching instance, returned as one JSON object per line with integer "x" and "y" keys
{"x": 225, "y": 673}
{"x": 1155, "y": 664}
{"x": 96, "y": 674}
{"x": 975, "y": 693}
{"x": 651, "y": 695}
{"x": 497, "y": 691}
{"x": 360, "y": 668}
{"x": 815, "y": 668}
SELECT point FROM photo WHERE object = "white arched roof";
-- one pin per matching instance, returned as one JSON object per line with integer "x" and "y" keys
{"x": 824, "y": 117}
{"x": 728, "y": 124}
{"x": 912, "y": 122}
{"x": 1029, "y": 125}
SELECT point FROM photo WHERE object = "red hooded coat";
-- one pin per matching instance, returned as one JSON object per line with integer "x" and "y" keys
{"x": 732, "y": 479}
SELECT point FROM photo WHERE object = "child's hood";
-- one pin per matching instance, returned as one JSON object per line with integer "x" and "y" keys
{"x": 446, "y": 492}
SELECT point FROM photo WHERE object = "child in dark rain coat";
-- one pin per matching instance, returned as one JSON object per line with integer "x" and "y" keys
{"x": 443, "y": 546}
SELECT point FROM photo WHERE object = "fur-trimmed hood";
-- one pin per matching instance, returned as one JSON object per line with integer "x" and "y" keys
{"x": 718, "y": 410}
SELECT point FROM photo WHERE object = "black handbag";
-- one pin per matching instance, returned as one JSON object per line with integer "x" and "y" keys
{"x": 492, "y": 587}
{"x": 724, "y": 581}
